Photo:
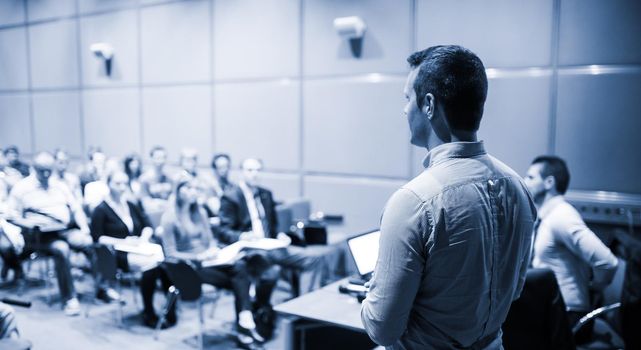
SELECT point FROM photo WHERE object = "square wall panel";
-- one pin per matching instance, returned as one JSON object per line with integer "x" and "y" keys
{"x": 259, "y": 120}
{"x": 12, "y": 12}
{"x": 356, "y": 126}
{"x": 112, "y": 120}
{"x": 14, "y": 70}
{"x": 117, "y": 29}
{"x": 176, "y": 42}
{"x": 385, "y": 46}
{"x": 54, "y": 54}
{"x": 502, "y": 33}
{"x": 56, "y": 117}
{"x": 360, "y": 201}
{"x": 515, "y": 121}
{"x": 600, "y": 32}
{"x": 15, "y": 123}
{"x": 256, "y": 38}
{"x": 178, "y": 117}
{"x": 598, "y": 130}
{"x": 47, "y": 9}
{"x": 92, "y": 6}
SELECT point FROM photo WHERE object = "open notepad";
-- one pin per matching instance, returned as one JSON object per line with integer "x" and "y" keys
{"x": 229, "y": 254}
{"x": 143, "y": 255}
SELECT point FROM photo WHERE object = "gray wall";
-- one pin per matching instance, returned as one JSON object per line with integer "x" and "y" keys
{"x": 271, "y": 78}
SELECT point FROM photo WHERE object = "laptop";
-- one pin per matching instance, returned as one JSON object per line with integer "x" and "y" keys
{"x": 364, "y": 250}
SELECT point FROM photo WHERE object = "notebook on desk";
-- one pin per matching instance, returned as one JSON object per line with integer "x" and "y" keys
{"x": 364, "y": 250}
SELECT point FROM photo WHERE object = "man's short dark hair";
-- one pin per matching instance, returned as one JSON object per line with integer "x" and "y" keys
{"x": 555, "y": 166}
{"x": 456, "y": 77}
{"x": 218, "y": 156}
{"x": 156, "y": 149}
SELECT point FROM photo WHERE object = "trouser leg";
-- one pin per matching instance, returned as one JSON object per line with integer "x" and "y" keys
{"x": 59, "y": 249}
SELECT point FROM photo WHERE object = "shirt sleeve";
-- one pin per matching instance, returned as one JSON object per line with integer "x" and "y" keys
{"x": 582, "y": 242}
{"x": 399, "y": 269}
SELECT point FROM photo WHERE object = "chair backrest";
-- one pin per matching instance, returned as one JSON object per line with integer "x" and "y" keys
{"x": 537, "y": 320}
{"x": 185, "y": 278}
{"x": 106, "y": 265}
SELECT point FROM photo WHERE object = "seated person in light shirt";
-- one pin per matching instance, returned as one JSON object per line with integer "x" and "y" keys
{"x": 156, "y": 184}
{"x": 563, "y": 242}
{"x": 187, "y": 236}
{"x": 119, "y": 217}
{"x": 35, "y": 202}
{"x": 65, "y": 177}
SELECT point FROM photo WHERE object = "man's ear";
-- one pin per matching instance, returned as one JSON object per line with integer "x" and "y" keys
{"x": 428, "y": 105}
{"x": 549, "y": 183}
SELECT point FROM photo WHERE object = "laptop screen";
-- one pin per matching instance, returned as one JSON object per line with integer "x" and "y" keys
{"x": 364, "y": 250}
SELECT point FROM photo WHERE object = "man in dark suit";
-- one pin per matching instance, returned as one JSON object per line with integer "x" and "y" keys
{"x": 248, "y": 211}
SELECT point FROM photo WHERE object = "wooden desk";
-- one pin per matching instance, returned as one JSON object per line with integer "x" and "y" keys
{"x": 325, "y": 307}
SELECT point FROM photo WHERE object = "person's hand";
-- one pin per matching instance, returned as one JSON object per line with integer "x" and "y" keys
{"x": 247, "y": 236}
{"x": 282, "y": 236}
{"x": 134, "y": 240}
{"x": 208, "y": 254}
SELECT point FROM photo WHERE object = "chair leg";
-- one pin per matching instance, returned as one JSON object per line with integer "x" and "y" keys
{"x": 201, "y": 321}
{"x": 172, "y": 297}
{"x": 120, "y": 312}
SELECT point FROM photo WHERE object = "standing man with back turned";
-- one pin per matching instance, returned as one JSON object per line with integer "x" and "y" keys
{"x": 455, "y": 241}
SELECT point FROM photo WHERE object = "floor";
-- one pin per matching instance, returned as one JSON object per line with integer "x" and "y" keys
{"x": 99, "y": 327}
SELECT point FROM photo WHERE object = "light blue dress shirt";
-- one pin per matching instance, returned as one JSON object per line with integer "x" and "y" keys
{"x": 454, "y": 248}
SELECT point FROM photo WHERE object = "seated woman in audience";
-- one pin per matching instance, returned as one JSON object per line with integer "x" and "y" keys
{"x": 133, "y": 169}
{"x": 187, "y": 236}
{"x": 120, "y": 218}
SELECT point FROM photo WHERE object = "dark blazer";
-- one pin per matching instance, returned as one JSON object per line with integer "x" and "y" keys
{"x": 537, "y": 319}
{"x": 234, "y": 214}
{"x": 105, "y": 222}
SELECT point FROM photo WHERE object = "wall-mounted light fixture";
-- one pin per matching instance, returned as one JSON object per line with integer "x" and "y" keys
{"x": 351, "y": 28}
{"x": 105, "y": 52}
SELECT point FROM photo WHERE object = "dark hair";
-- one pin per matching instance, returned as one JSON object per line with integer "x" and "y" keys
{"x": 218, "y": 156}
{"x": 12, "y": 148}
{"x": 456, "y": 77}
{"x": 57, "y": 151}
{"x": 127, "y": 165}
{"x": 155, "y": 149}
{"x": 555, "y": 166}
{"x": 93, "y": 150}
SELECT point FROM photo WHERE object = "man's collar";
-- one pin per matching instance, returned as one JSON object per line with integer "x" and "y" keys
{"x": 453, "y": 150}
{"x": 549, "y": 205}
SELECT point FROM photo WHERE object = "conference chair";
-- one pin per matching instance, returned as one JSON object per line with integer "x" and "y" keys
{"x": 107, "y": 270}
{"x": 188, "y": 287}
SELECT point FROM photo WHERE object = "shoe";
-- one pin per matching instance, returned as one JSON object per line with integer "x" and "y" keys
{"x": 107, "y": 295}
{"x": 72, "y": 307}
{"x": 252, "y": 333}
{"x": 149, "y": 319}
{"x": 246, "y": 342}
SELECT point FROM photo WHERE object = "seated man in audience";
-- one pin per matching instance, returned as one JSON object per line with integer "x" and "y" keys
{"x": 248, "y": 211}
{"x": 221, "y": 164}
{"x": 63, "y": 176}
{"x": 95, "y": 169}
{"x": 563, "y": 242}
{"x": 189, "y": 166}
{"x": 156, "y": 184}
{"x": 48, "y": 212}
{"x": 12, "y": 154}
{"x": 8, "y": 176}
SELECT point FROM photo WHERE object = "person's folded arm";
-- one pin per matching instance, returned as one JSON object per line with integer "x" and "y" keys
{"x": 399, "y": 270}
